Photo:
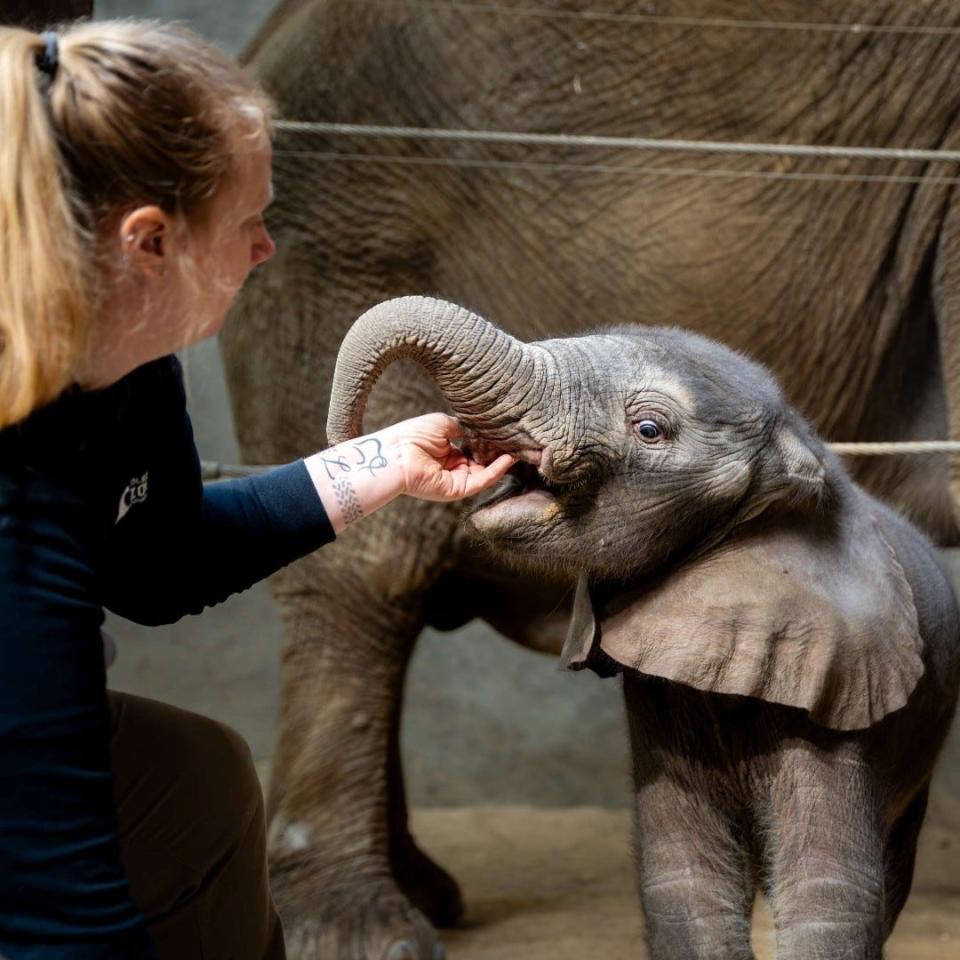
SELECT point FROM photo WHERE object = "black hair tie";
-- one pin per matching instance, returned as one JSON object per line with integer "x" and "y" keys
{"x": 49, "y": 59}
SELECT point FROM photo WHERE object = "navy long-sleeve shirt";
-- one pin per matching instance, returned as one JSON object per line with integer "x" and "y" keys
{"x": 102, "y": 505}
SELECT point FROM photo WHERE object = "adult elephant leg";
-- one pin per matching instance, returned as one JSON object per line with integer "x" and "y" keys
{"x": 946, "y": 295}
{"x": 348, "y": 643}
{"x": 428, "y": 886}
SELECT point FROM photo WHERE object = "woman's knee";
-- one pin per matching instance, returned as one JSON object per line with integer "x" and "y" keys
{"x": 172, "y": 765}
{"x": 228, "y": 770}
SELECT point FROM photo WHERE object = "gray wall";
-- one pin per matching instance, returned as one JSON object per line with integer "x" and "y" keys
{"x": 486, "y": 721}
{"x": 229, "y": 23}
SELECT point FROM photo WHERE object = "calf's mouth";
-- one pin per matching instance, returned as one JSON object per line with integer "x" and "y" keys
{"x": 526, "y": 493}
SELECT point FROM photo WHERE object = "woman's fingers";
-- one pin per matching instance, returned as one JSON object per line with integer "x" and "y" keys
{"x": 480, "y": 478}
{"x": 441, "y": 470}
{"x": 449, "y": 425}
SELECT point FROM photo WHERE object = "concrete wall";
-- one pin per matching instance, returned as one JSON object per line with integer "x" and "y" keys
{"x": 228, "y": 23}
{"x": 486, "y": 721}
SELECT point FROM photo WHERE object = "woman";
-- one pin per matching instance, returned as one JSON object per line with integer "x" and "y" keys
{"x": 134, "y": 174}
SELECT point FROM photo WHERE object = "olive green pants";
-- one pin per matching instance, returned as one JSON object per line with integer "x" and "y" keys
{"x": 192, "y": 833}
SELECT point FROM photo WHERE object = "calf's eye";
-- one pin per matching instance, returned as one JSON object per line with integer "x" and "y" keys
{"x": 649, "y": 430}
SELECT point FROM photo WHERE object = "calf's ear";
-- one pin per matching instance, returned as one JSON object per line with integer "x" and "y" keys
{"x": 792, "y": 465}
{"x": 822, "y": 620}
{"x": 801, "y": 465}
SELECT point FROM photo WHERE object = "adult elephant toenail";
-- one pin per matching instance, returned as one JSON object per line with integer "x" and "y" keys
{"x": 403, "y": 950}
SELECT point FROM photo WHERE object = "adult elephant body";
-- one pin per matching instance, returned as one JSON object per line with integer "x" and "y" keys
{"x": 847, "y": 289}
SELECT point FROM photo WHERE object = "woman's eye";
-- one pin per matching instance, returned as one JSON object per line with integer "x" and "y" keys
{"x": 649, "y": 430}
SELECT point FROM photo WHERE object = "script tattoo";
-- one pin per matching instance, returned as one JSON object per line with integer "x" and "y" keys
{"x": 347, "y": 501}
{"x": 338, "y": 461}
{"x": 373, "y": 459}
{"x": 370, "y": 459}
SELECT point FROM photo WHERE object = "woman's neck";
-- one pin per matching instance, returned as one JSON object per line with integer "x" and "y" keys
{"x": 126, "y": 334}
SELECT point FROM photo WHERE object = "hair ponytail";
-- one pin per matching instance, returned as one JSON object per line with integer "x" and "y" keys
{"x": 138, "y": 112}
{"x": 44, "y": 269}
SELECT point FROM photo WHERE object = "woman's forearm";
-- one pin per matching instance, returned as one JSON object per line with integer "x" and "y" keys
{"x": 419, "y": 457}
{"x": 355, "y": 478}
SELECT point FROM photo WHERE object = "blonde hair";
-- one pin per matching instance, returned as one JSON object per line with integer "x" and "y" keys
{"x": 137, "y": 112}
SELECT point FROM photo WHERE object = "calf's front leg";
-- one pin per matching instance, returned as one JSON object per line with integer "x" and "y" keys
{"x": 695, "y": 879}
{"x": 826, "y": 853}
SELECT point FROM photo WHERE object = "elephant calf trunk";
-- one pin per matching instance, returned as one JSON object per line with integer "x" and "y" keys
{"x": 472, "y": 361}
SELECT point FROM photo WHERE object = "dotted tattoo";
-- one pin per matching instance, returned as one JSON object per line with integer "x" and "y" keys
{"x": 347, "y": 501}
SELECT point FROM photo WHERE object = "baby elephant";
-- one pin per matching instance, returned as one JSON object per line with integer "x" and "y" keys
{"x": 790, "y": 648}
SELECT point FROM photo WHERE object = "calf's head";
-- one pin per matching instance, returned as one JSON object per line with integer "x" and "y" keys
{"x": 636, "y": 445}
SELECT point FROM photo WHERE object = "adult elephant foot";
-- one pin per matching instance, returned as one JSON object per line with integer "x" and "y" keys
{"x": 430, "y": 888}
{"x": 370, "y": 920}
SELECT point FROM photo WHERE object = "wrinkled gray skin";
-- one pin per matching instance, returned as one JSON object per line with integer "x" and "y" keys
{"x": 848, "y": 292}
{"x": 790, "y": 646}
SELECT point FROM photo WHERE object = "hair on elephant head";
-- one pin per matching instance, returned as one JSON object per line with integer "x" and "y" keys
{"x": 716, "y": 542}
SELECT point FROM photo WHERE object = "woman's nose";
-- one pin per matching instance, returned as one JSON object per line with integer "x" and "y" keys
{"x": 263, "y": 248}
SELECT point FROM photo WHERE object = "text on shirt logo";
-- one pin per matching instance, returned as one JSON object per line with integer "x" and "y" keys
{"x": 136, "y": 492}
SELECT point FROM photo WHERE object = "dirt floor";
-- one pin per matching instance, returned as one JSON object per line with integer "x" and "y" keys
{"x": 557, "y": 885}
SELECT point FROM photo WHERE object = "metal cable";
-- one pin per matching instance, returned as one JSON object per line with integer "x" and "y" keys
{"x": 891, "y": 449}
{"x": 621, "y": 143}
{"x": 621, "y": 169}
{"x": 211, "y": 470}
{"x": 711, "y": 23}
{"x": 220, "y": 471}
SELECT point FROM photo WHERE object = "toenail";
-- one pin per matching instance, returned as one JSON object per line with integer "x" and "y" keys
{"x": 402, "y": 951}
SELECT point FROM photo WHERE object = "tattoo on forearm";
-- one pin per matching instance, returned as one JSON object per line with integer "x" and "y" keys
{"x": 371, "y": 459}
{"x": 330, "y": 462}
{"x": 347, "y": 501}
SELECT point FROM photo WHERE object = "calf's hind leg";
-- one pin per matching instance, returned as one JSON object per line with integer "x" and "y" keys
{"x": 695, "y": 880}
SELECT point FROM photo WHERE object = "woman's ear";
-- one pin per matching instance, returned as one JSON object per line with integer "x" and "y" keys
{"x": 146, "y": 237}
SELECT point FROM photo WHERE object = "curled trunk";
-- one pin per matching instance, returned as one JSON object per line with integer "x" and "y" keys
{"x": 482, "y": 372}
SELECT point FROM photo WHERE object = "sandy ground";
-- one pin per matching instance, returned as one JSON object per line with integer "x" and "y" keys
{"x": 557, "y": 885}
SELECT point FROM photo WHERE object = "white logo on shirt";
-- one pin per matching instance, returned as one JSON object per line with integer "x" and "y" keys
{"x": 136, "y": 492}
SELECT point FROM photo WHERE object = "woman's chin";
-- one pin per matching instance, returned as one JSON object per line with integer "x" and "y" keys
{"x": 207, "y": 328}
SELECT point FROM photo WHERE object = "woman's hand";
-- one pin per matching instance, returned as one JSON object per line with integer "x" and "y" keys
{"x": 415, "y": 457}
{"x": 433, "y": 468}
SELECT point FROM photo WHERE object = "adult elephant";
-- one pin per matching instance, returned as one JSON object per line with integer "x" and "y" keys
{"x": 848, "y": 289}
